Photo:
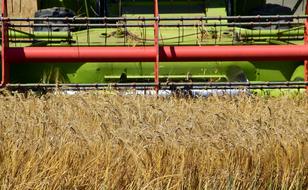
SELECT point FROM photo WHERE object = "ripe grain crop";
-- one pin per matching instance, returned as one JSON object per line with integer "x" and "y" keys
{"x": 21, "y": 8}
{"x": 97, "y": 141}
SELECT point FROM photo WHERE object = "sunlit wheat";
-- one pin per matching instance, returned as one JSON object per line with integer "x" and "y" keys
{"x": 98, "y": 141}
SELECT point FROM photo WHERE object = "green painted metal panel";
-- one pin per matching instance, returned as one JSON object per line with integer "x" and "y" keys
{"x": 298, "y": 74}
{"x": 111, "y": 72}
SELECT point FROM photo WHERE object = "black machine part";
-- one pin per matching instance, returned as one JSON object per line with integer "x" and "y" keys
{"x": 53, "y": 12}
{"x": 265, "y": 9}
{"x": 272, "y": 9}
{"x": 100, "y": 11}
{"x": 229, "y": 8}
{"x": 101, "y": 8}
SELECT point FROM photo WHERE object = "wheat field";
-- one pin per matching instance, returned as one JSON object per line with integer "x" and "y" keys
{"x": 99, "y": 141}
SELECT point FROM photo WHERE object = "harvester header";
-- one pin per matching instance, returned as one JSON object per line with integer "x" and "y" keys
{"x": 161, "y": 46}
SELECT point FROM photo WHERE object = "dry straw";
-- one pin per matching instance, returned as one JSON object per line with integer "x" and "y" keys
{"x": 97, "y": 141}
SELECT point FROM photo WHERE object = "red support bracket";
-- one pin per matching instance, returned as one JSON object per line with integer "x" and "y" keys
{"x": 5, "y": 45}
{"x": 306, "y": 43}
{"x": 156, "y": 45}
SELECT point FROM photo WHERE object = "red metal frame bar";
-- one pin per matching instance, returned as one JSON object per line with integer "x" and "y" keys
{"x": 156, "y": 45}
{"x": 166, "y": 53}
{"x": 306, "y": 43}
{"x": 5, "y": 46}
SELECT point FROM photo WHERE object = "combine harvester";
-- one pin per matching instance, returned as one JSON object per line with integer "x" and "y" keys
{"x": 195, "y": 47}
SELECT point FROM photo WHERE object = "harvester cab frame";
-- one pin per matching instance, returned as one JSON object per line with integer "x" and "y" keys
{"x": 157, "y": 47}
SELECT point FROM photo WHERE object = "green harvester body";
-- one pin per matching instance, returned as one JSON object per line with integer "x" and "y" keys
{"x": 138, "y": 36}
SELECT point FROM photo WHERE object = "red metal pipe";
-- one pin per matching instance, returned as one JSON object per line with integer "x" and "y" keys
{"x": 81, "y": 54}
{"x": 235, "y": 53}
{"x": 167, "y": 53}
